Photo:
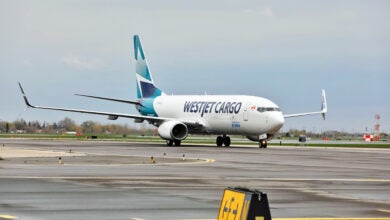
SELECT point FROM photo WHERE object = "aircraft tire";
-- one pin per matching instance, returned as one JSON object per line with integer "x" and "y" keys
{"x": 263, "y": 143}
{"x": 226, "y": 141}
{"x": 169, "y": 142}
{"x": 219, "y": 141}
{"x": 177, "y": 142}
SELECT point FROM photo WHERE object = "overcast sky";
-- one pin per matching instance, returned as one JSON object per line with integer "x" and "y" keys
{"x": 286, "y": 51}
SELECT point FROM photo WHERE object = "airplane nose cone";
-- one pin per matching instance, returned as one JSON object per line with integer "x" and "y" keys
{"x": 277, "y": 122}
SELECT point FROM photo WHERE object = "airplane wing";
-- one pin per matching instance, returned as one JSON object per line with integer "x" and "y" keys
{"x": 111, "y": 99}
{"x": 111, "y": 115}
{"x": 324, "y": 109}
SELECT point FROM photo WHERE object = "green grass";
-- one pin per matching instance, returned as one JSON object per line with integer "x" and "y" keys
{"x": 39, "y": 136}
{"x": 236, "y": 140}
{"x": 358, "y": 145}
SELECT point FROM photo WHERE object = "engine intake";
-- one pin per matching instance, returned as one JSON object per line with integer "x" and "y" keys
{"x": 173, "y": 130}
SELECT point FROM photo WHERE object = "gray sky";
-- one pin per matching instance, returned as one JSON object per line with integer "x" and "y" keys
{"x": 286, "y": 51}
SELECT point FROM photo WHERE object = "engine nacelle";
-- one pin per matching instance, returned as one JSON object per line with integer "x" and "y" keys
{"x": 173, "y": 130}
{"x": 138, "y": 120}
{"x": 112, "y": 117}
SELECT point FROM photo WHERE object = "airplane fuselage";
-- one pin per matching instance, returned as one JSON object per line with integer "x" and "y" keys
{"x": 218, "y": 114}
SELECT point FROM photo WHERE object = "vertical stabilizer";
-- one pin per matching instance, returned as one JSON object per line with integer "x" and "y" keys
{"x": 145, "y": 85}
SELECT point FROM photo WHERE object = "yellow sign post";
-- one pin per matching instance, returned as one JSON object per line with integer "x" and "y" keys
{"x": 244, "y": 204}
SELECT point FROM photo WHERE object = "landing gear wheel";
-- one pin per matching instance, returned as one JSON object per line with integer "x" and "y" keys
{"x": 177, "y": 143}
{"x": 226, "y": 141}
{"x": 263, "y": 143}
{"x": 219, "y": 141}
{"x": 169, "y": 142}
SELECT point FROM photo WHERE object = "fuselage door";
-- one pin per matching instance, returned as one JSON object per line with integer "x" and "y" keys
{"x": 245, "y": 113}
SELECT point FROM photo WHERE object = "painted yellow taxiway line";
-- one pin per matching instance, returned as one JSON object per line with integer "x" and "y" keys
{"x": 8, "y": 217}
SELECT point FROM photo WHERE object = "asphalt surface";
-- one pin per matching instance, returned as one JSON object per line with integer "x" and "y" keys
{"x": 102, "y": 184}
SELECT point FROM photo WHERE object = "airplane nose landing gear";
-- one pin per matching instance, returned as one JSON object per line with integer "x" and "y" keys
{"x": 263, "y": 143}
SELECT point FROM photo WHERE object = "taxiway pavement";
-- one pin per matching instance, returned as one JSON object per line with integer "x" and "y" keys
{"x": 299, "y": 181}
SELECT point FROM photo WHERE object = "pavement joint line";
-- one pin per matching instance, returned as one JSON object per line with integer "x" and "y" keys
{"x": 187, "y": 178}
{"x": 336, "y": 218}
{"x": 196, "y": 161}
{"x": 321, "y": 179}
{"x": 104, "y": 177}
{"x": 308, "y": 218}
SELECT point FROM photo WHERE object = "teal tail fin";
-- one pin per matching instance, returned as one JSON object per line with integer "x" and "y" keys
{"x": 145, "y": 85}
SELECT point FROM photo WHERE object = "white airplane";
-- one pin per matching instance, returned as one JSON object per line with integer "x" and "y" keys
{"x": 176, "y": 116}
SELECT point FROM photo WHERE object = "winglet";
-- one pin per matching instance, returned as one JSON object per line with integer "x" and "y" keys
{"x": 25, "y": 97}
{"x": 324, "y": 107}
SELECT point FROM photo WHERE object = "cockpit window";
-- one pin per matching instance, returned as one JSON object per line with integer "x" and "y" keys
{"x": 268, "y": 109}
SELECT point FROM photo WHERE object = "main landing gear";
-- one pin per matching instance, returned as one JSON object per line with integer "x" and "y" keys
{"x": 171, "y": 142}
{"x": 263, "y": 143}
{"x": 225, "y": 140}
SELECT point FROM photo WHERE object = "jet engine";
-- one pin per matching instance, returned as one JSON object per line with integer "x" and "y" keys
{"x": 173, "y": 130}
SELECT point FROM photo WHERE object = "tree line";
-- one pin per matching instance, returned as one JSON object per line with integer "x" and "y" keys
{"x": 69, "y": 125}
{"x": 93, "y": 127}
